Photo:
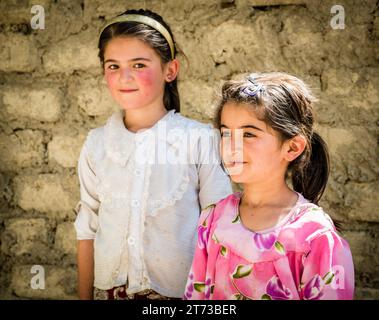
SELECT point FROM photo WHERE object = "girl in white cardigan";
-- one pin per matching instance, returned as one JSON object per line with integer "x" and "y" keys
{"x": 145, "y": 175}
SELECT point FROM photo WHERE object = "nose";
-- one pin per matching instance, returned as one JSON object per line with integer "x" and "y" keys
{"x": 232, "y": 146}
{"x": 125, "y": 75}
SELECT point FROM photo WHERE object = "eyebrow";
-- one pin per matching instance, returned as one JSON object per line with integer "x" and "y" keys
{"x": 131, "y": 60}
{"x": 249, "y": 126}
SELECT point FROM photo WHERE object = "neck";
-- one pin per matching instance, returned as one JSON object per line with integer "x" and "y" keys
{"x": 268, "y": 193}
{"x": 143, "y": 118}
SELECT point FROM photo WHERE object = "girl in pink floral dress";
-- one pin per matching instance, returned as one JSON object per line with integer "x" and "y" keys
{"x": 271, "y": 241}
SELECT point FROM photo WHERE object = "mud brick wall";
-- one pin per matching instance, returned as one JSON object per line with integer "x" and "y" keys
{"x": 52, "y": 93}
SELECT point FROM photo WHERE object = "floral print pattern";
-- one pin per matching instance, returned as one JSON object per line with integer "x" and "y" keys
{"x": 313, "y": 289}
{"x": 304, "y": 258}
{"x": 264, "y": 241}
{"x": 277, "y": 291}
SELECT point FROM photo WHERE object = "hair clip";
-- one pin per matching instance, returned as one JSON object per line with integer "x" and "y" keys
{"x": 252, "y": 89}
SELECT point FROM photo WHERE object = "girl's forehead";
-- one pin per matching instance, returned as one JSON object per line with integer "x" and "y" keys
{"x": 129, "y": 47}
{"x": 239, "y": 114}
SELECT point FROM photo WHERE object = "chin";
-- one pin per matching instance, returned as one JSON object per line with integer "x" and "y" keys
{"x": 237, "y": 178}
{"x": 236, "y": 172}
{"x": 127, "y": 106}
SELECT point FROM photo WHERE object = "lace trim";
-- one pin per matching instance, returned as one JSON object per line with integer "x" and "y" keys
{"x": 118, "y": 140}
{"x": 171, "y": 198}
{"x": 181, "y": 172}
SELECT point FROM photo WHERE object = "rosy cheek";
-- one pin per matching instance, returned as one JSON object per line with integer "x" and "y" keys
{"x": 111, "y": 79}
{"x": 146, "y": 78}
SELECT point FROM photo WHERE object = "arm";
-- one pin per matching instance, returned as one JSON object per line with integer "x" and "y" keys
{"x": 85, "y": 269}
{"x": 328, "y": 269}
{"x": 86, "y": 225}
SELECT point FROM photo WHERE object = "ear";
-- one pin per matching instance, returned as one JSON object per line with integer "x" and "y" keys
{"x": 294, "y": 147}
{"x": 171, "y": 70}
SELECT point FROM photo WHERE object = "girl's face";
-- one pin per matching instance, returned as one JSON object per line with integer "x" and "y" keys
{"x": 254, "y": 153}
{"x": 134, "y": 73}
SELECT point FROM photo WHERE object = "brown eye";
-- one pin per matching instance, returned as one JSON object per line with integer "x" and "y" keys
{"x": 139, "y": 66}
{"x": 113, "y": 66}
{"x": 248, "y": 135}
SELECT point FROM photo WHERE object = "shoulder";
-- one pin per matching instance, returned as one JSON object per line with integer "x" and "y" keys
{"x": 203, "y": 138}
{"x": 94, "y": 138}
{"x": 314, "y": 217}
{"x": 224, "y": 206}
{"x": 308, "y": 223}
{"x": 184, "y": 122}
{"x": 97, "y": 137}
{"x": 200, "y": 139}
{"x": 96, "y": 133}
{"x": 113, "y": 123}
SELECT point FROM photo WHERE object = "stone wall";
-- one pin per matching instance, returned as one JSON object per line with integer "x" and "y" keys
{"x": 52, "y": 93}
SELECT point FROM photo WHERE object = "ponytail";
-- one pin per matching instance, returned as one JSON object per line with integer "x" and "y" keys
{"x": 310, "y": 180}
{"x": 285, "y": 104}
{"x": 171, "y": 99}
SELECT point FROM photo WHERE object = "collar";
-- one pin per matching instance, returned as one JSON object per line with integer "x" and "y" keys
{"x": 120, "y": 142}
{"x": 268, "y": 244}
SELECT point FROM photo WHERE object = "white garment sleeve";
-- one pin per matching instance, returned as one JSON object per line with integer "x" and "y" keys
{"x": 86, "y": 223}
{"x": 214, "y": 182}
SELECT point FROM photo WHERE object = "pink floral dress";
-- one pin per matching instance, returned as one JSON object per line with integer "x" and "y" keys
{"x": 302, "y": 258}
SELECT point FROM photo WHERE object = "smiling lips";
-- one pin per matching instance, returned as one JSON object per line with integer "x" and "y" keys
{"x": 231, "y": 164}
{"x": 128, "y": 90}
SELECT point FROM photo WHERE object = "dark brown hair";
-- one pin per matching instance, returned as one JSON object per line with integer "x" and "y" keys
{"x": 152, "y": 38}
{"x": 285, "y": 103}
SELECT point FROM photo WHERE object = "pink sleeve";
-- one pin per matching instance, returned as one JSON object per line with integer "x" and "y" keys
{"x": 198, "y": 286}
{"x": 328, "y": 272}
